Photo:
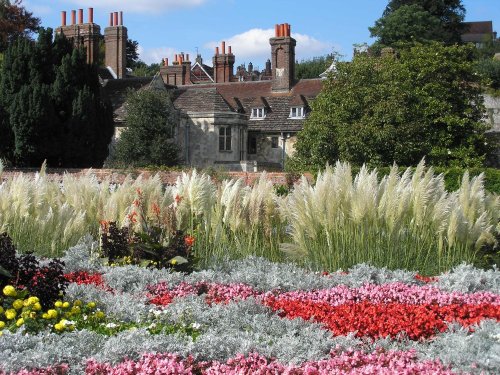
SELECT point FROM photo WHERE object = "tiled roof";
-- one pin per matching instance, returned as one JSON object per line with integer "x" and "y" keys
{"x": 199, "y": 99}
{"x": 477, "y": 31}
{"x": 243, "y": 96}
{"x": 478, "y": 27}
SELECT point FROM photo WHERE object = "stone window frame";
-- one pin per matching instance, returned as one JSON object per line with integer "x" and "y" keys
{"x": 297, "y": 112}
{"x": 258, "y": 113}
{"x": 225, "y": 141}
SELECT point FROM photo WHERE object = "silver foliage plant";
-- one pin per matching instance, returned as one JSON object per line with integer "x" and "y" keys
{"x": 244, "y": 326}
{"x": 265, "y": 275}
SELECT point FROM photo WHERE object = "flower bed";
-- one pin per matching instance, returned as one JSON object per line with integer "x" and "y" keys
{"x": 254, "y": 316}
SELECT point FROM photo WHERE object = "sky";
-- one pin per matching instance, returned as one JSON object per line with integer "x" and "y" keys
{"x": 167, "y": 27}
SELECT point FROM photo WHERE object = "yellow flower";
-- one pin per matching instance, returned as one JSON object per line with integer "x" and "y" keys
{"x": 59, "y": 327}
{"x": 18, "y": 304}
{"x": 58, "y": 304}
{"x": 174, "y": 262}
{"x": 77, "y": 303}
{"x": 45, "y": 316}
{"x": 99, "y": 315}
{"x": 9, "y": 291}
{"x": 33, "y": 314}
{"x": 1, "y": 310}
{"x": 20, "y": 322}
{"x": 2, "y": 324}
{"x": 37, "y": 306}
{"x": 33, "y": 300}
{"x": 65, "y": 305}
{"x": 10, "y": 314}
{"x": 52, "y": 313}
{"x": 75, "y": 310}
{"x": 91, "y": 305}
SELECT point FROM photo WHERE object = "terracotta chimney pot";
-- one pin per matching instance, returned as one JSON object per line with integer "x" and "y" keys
{"x": 73, "y": 17}
{"x": 91, "y": 15}
{"x": 80, "y": 16}
{"x": 63, "y": 18}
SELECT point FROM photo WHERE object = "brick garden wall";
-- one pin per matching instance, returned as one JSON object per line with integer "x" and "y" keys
{"x": 168, "y": 178}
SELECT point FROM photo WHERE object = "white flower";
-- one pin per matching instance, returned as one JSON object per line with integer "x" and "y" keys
{"x": 111, "y": 325}
{"x": 195, "y": 325}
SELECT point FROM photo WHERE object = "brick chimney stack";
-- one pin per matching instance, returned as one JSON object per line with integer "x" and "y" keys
{"x": 84, "y": 35}
{"x": 223, "y": 64}
{"x": 115, "y": 40}
{"x": 179, "y": 73}
{"x": 283, "y": 58}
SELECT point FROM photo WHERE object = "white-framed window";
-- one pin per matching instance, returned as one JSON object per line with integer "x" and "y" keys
{"x": 225, "y": 138}
{"x": 258, "y": 113}
{"x": 297, "y": 112}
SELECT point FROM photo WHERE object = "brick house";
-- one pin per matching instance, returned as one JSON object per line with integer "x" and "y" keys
{"x": 237, "y": 120}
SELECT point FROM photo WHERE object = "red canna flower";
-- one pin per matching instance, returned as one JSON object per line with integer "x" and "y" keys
{"x": 189, "y": 241}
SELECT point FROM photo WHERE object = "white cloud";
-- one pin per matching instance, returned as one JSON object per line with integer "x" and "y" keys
{"x": 254, "y": 45}
{"x": 139, "y": 6}
{"x": 155, "y": 55}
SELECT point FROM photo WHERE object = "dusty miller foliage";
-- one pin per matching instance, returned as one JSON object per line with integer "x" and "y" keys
{"x": 243, "y": 326}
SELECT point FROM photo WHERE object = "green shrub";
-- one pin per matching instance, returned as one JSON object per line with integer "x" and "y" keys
{"x": 490, "y": 69}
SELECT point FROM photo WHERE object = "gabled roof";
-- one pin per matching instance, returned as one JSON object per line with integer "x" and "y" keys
{"x": 206, "y": 70}
{"x": 241, "y": 97}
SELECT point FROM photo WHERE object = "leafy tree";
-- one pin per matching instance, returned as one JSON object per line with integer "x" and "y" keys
{"x": 312, "y": 68}
{"x": 426, "y": 103}
{"x": 144, "y": 70}
{"x": 50, "y": 105}
{"x": 15, "y": 21}
{"x": 148, "y": 138}
{"x": 419, "y": 21}
{"x": 132, "y": 53}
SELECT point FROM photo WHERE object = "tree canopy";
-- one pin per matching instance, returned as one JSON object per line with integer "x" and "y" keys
{"x": 51, "y": 107}
{"x": 312, "y": 68}
{"x": 15, "y": 21}
{"x": 420, "y": 21}
{"x": 379, "y": 110}
{"x": 148, "y": 137}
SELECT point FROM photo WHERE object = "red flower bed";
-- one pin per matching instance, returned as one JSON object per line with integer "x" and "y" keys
{"x": 384, "y": 319}
{"x": 85, "y": 278}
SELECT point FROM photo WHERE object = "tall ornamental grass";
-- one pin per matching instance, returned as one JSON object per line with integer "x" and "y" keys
{"x": 403, "y": 221}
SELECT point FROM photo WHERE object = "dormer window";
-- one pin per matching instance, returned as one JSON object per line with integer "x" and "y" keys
{"x": 297, "y": 112}
{"x": 258, "y": 113}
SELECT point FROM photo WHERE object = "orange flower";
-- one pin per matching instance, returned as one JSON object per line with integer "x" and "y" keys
{"x": 104, "y": 225}
{"x": 136, "y": 203}
{"x": 178, "y": 198}
{"x": 132, "y": 216}
{"x": 155, "y": 208}
{"x": 189, "y": 241}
